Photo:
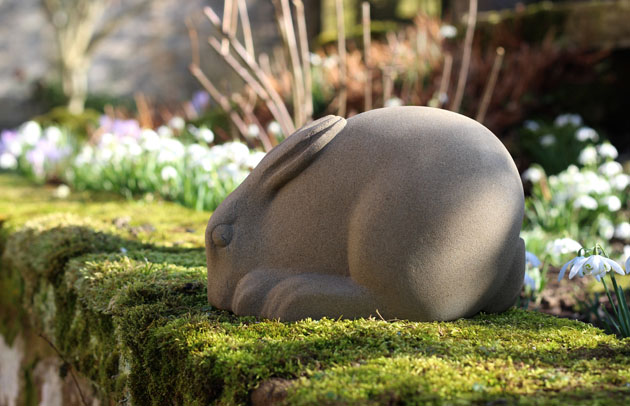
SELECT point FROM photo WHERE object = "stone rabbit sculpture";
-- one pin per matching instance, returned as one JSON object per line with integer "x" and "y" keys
{"x": 406, "y": 212}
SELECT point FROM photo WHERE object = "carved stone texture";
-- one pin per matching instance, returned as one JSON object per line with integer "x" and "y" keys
{"x": 404, "y": 212}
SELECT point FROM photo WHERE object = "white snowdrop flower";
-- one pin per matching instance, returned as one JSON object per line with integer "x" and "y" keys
{"x": 569, "y": 266}
{"x": 595, "y": 265}
{"x": 622, "y": 231}
{"x": 134, "y": 149}
{"x": 164, "y": 131}
{"x": 168, "y": 173}
{"x": 205, "y": 134}
{"x": 533, "y": 174}
{"x": 627, "y": 264}
{"x": 394, "y": 102}
{"x": 610, "y": 168}
{"x": 62, "y": 192}
{"x": 315, "y": 59}
{"x": 584, "y": 134}
{"x": 626, "y": 253}
{"x": 254, "y": 159}
{"x": 592, "y": 183}
{"x": 149, "y": 140}
{"x": 605, "y": 228}
{"x": 547, "y": 140}
{"x": 330, "y": 62}
{"x": 107, "y": 139}
{"x": 607, "y": 150}
{"x": 620, "y": 181}
{"x": 237, "y": 151}
{"x": 274, "y": 128}
{"x": 612, "y": 202}
{"x": 31, "y": 132}
{"x": 207, "y": 164}
{"x": 588, "y": 156}
{"x": 15, "y": 147}
{"x": 196, "y": 152}
{"x": 532, "y": 125}
{"x": 177, "y": 123}
{"x": 563, "y": 246}
{"x": 532, "y": 259}
{"x": 529, "y": 281}
{"x": 229, "y": 172}
{"x": 166, "y": 156}
{"x": 585, "y": 202}
{"x": 448, "y": 31}
{"x": 53, "y": 134}
{"x": 85, "y": 156}
{"x": 8, "y": 161}
{"x": 174, "y": 146}
{"x": 253, "y": 131}
{"x": 565, "y": 119}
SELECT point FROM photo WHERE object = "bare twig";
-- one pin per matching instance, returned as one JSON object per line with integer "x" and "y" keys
{"x": 367, "y": 50}
{"x": 144, "y": 112}
{"x": 306, "y": 59}
{"x": 248, "y": 109}
{"x": 492, "y": 81}
{"x": 194, "y": 42}
{"x": 74, "y": 378}
{"x": 296, "y": 67}
{"x": 446, "y": 79}
{"x": 463, "y": 71}
{"x": 341, "y": 50}
{"x": 225, "y": 26}
{"x": 286, "y": 123}
{"x": 247, "y": 29}
{"x": 223, "y": 101}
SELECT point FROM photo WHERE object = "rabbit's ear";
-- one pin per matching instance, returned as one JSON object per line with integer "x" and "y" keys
{"x": 297, "y": 152}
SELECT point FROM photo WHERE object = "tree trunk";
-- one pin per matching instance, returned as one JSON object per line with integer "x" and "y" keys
{"x": 75, "y": 84}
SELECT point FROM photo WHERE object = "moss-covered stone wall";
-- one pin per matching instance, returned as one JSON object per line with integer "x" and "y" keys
{"x": 127, "y": 311}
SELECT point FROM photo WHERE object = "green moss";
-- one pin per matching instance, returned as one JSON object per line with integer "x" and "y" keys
{"x": 138, "y": 325}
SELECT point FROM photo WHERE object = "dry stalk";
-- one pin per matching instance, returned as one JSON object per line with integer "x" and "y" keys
{"x": 446, "y": 79}
{"x": 247, "y": 28}
{"x": 463, "y": 71}
{"x": 70, "y": 368}
{"x": 285, "y": 123}
{"x": 341, "y": 46}
{"x": 219, "y": 98}
{"x": 225, "y": 26}
{"x": 367, "y": 50}
{"x": 306, "y": 60}
{"x": 144, "y": 111}
{"x": 296, "y": 67}
{"x": 265, "y": 65}
{"x": 388, "y": 83}
{"x": 247, "y": 108}
{"x": 248, "y": 78}
{"x": 492, "y": 81}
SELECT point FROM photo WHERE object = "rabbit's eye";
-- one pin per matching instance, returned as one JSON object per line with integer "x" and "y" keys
{"x": 222, "y": 235}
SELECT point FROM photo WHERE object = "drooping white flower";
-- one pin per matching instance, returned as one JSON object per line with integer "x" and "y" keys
{"x": 622, "y": 231}
{"x": 205, "y": 134}
{"x": 149, "y": 140}
{"x": 164, "y": 131}
{"x": 315, "y": 59}
{"x": 168, "y": 173}
{"x": 254, "y": 159}
{"x": 610, "y": 168}
{"x": 612, "y": 202}
{"x": 569, "y": 266}
{"x": 533, "y": 174}
{"x": 448, "y": 31}
{"x": 177, "y": 123}
{"x": 565, "y": 119}
{"x": 588, "y": 156}
{"x": 394, "y": 102}
{"x": 53, "y": 134}
{"x": 8, "y": 161}
{"x": 563, "y": 246}
{"x": 274, "y": 128}
{"x": 586, "y": 134}
{"x": 627, "y": 264}
{"x": 31, "y": 132}
{"x": 605, "y": 228}
{"x": 620, "y": 181}
{"x": 253, "y": 131}
{"x": 531, "y": 125}
{"x": 585, "y": 202}
{"x": 607, "y": 150}
{"x": 532, "y": 259}
{"x": 596, "y": 265}
{"x": 547, "y": 140}
{"x": 62, "y": 192}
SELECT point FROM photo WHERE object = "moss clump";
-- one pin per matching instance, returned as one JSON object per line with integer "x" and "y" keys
{"x": 138, "y": 325}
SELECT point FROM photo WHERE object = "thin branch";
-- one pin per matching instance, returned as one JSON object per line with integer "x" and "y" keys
{"x": 247, "y": 29}
{"x": 367, "y": 51}
{"x": 468, "y": 41}
{"x": 74, "y": 378}
{"x": 341, "y": 50}
{"x": 225, "y": 26}
{"x": 296, "y": 68}
{"x": 286, "y": 123}
{"x": 248, "y": 109}
{"x": 306, "y": 59}
{"x": 194, "y": 42}
{"x": 219, "y": 98}
{"x": 446, "y": 80}
{"x": 492, "y": 81}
